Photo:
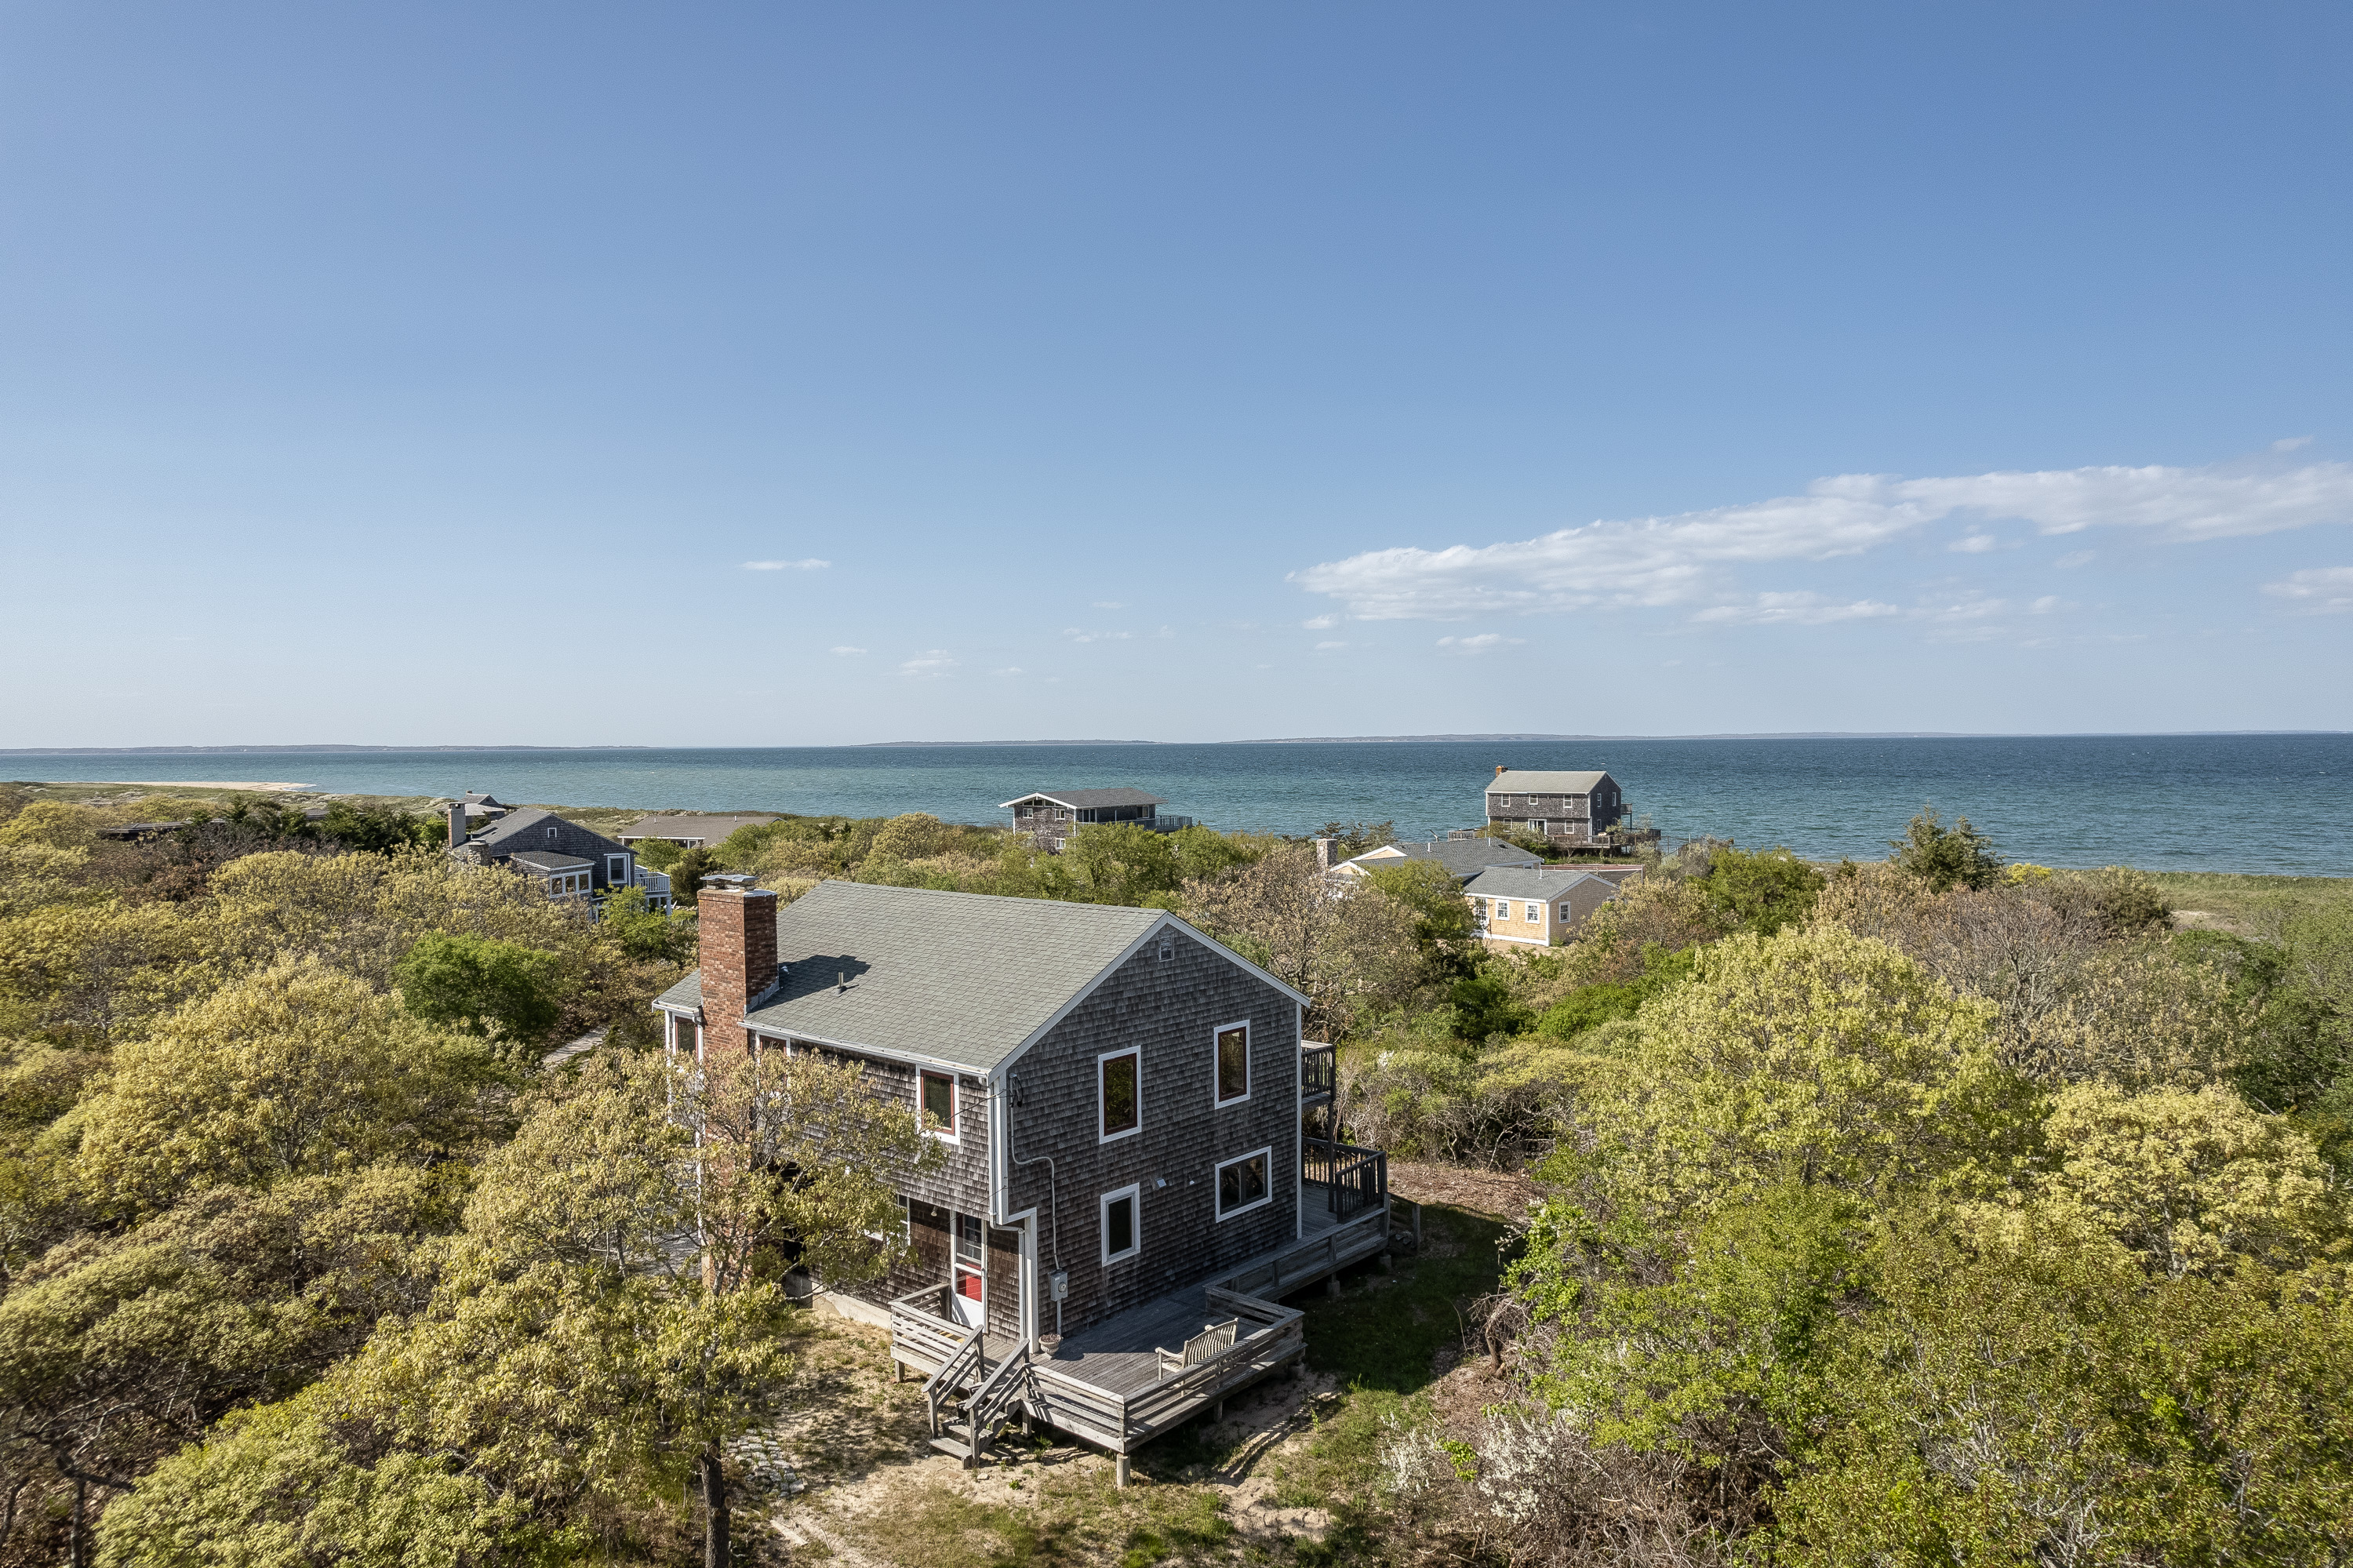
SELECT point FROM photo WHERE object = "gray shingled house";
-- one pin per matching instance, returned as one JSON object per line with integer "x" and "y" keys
{"x": 1129, "y": 1189}
{"x": 1566, "y": 809}
{"x": 1051, "y": 816}
{"x": 570, "y": 861}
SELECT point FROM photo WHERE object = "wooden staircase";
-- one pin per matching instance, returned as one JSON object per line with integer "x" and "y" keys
{"x": 970, "y": 1402}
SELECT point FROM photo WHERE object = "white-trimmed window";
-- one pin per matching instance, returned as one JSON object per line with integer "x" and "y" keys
{"x": 1122, "y": 1223}
{"x": 1119, "y": 1093}
{"x": 1565, "y": 915}
{"x": 617, "y": 870}
{"x": 935, "y": 1098}
{"x": 1246, "y": 1183}
{"x": 1232, "y": 1042}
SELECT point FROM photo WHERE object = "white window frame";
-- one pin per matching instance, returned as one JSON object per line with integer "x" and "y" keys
{"x": 1565, "y": 917}
{"x": 1133, "y": 1194}
{"x": 1101, "y": 1136}
{"x": 616, "y": 871}
{"x": 1244, "y": 1025}
{"x": 954, "y": 1132}
{"x": 1217, "y": 1184}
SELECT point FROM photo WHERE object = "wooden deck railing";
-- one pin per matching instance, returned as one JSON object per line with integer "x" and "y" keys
{"x": 1267, "y": 1333}
{"x": 1317, "y": 1074}
{"x": 921, "y": 1326}
{"x": 1354, "y": 1179}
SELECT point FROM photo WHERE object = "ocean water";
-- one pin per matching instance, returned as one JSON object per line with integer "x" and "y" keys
{"x": 2274, "y": 803}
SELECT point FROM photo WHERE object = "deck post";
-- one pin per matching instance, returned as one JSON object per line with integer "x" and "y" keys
{"x": 1384, "y": 1263}
{"x": 1118, "y": 1471}
{"x": 1332, "y": 1285}
{"x": 1220, "y": 1412}
{"x": 1417, "y": 1228}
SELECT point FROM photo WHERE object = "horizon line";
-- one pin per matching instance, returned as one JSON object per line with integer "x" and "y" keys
{"x": 1522, "y": 737}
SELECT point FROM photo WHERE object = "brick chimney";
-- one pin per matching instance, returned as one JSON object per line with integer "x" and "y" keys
{"x": 738, "y": 928}
{"x": 1499, "y": 771}
{"x": 457, "y": 824}
{"x": 1323, "y": 852}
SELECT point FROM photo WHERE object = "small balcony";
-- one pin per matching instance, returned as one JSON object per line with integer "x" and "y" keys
{"x": 1318, "y": 1073}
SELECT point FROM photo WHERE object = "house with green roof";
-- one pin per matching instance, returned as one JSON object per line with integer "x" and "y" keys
{"x": 1130, "y": 1182}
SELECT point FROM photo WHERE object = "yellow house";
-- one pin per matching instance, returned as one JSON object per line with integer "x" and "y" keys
{"x": 1539, "y": 906}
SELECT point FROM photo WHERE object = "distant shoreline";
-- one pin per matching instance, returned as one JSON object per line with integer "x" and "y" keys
{"x": 1499, "y": 739}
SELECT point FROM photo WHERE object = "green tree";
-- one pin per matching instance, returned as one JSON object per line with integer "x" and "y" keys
{"x": 645, "y": 933}
{"x": 2037, "y": 1400}
{"x": 480, "y": 983}
{"x": 115, "y": 1350}
{"x": 571, "y": 1341}
{"x": 379, "y": 829}
{"x": 297, "y": 1071}
{"x": 1118, "y": 862}
{"x": 1758, "y": 893}
{"x": 1945, "y": 858}
{"x": 687, "y": 872}
{"x": 1441, "y": 912}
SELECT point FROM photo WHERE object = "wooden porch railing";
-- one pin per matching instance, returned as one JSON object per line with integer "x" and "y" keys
{"x": 1318, "y": 1076}
{"x": 1354, "y": 1179}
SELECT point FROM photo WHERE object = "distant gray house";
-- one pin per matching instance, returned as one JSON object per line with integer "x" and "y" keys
{"x": 1051, "y": 817}
{"x": 569, "y": 860}
{"x": 1130, "y": 1186}
{"x": 692, "y": 830}
{"x": 1564, "y": 809}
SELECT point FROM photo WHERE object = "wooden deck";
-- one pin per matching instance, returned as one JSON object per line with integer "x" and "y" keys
{"x": 1104, "y": 1383}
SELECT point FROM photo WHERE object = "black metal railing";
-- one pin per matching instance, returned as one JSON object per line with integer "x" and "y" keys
{"x": 1354, "y": 1179}
{"x": 1318, "y": 1071}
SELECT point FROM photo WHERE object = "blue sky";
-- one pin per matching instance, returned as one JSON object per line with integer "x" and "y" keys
{"x": 783, "y": 374}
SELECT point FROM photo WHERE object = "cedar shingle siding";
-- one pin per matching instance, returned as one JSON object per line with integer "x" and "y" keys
{"x": 1170, "y": 1010}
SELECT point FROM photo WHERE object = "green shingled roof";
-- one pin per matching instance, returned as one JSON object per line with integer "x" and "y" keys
{"x": 958, "y": 977}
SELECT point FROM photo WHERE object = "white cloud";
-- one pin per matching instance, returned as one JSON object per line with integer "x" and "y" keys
{"x": 1485, "y": 643}
{"x": 1669, "y": 560}
{"x": 1009, "y": 669}
{"x": 1795, "y": 610}
{"x": 2317, "y": 590}
{"x": 1975, "y": 543}
{"x": 2291, "y": 443}
{"x": 924, "y": 666}
{"x": 2074, "y": 559}
{"x": 846, "y": 648}
{"x": 1079, "y": 634}
{"x": 2045, "y": 605}
{"x": 1319, "y": 623}
{"x": 1164, "y": 631}
{"x": 1109, "y": 604}
{"x": 810, "y": 564}
{"x": 1328, "y": 647}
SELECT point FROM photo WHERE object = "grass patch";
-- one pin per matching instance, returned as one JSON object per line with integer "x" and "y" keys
{"x": 2251, "y": 906}
{"x": 1382, "y": 1341}
{"x": 1385, "y": 1332}
{"x": 1075, "y": 1520}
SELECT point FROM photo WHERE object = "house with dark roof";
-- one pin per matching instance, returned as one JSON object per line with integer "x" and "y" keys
{"x": 1539, "y": 906}
{"x": 566, "y": 859}
{"x": 692, "y": 830}
{"x": 1566, "y": 810}
{"x": 1051, "y": 817}
{"x": 1463, "y": 858}
{"x": 1130, "y": 1185}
